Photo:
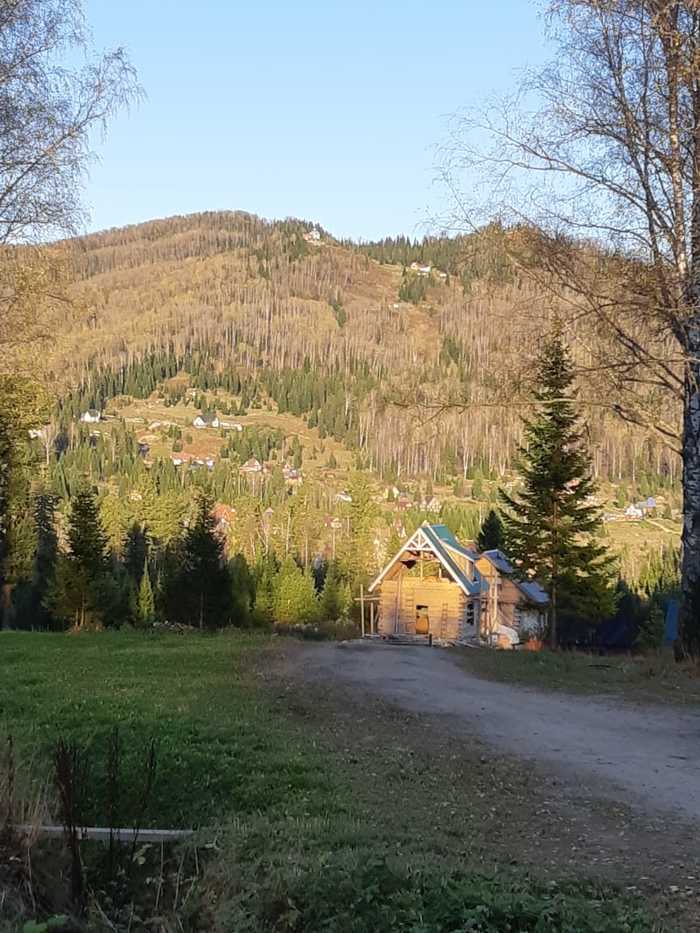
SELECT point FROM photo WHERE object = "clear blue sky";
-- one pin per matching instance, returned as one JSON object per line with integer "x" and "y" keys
{"x": 328, "y": 110}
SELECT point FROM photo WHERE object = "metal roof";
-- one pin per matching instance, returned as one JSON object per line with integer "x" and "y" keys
{"x": 500, "y": 561}
{"x": 529, "y": 588}
{"x": 533, "y": 591}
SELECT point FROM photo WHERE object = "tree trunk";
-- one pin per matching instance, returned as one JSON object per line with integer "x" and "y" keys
{"x": 690, "y": 589}
{"x": 5, "y": 604}
{"x": 553, "y": 619}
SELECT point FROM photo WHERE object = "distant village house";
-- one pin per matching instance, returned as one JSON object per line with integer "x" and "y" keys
{"x": 207, "y": 420}
{"x": 252, "y": 466}
{"x": 291, "y": 475}
{"x": 91, "y": 416}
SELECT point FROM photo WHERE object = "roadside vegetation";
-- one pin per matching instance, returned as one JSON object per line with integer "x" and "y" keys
{"x": 297, "y": 788}
{"x": 656, "y": 677}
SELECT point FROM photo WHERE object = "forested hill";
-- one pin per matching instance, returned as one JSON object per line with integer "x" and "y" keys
{"x": 347, "y": 335}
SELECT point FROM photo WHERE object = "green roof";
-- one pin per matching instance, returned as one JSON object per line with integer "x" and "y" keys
{"x": 441, "y": 538}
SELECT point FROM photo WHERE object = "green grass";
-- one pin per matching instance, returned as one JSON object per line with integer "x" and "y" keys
{"x": 219, "y": 746}
{"x": 332, "y": 811}
{"x": 654, "y": 678}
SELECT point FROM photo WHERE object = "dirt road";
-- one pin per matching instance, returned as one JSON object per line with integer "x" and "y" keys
{"x": 647, "y": 757}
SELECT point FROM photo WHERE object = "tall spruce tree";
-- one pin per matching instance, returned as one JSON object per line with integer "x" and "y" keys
{"x": 201, "y": 592}
{"x": 82, "y": 592}
{"x": 492, "y": 533}
{"x": 243, "y": 590}
{"x": 45, "y": 557}
{"x": 135, "y": 550}
{"x": 552, "y": 525}
{"x": 146, "y": 600}
{"x": 265, "y": 590}
{"x": 334, "y": 601}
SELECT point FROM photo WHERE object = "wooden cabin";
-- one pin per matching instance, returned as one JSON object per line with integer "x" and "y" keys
{"x": 435, "y": 586}
{"x": 516, "y": 609}
{"x": 430, "y": 587}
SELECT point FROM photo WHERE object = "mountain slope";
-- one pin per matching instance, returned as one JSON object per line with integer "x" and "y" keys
{"x": 424, "y": 383}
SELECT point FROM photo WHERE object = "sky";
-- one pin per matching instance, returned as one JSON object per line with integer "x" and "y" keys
{"x": 327, "y": 110}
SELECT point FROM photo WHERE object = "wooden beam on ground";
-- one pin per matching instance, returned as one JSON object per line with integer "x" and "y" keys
{"x": 102, "y": 833}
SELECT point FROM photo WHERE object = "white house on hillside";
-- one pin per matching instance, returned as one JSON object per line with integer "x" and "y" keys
{"x": 251, "y": 466}
{"x": 91, "y": 416}
{"x": 206, "y": 420}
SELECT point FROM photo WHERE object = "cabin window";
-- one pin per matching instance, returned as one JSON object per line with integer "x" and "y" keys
{"x": 471, "y": 612}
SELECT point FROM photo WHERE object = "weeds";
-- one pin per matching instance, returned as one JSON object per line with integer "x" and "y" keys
{"x": 271, "y": 878}
{"x": 308, "y": 849}
{"x": 644, "y": 678}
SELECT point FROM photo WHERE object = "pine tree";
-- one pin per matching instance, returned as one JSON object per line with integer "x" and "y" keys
{"x": 116, "y": 513}
{"x": 651, "y": 631}
{"x": 551, "y": 525}
{"x": 200, "y": 593}
{"x": 243, "y": 589}
{"x": 265, "y": 589}
{"x": 358, "y": 551}
{"x": 393, "y": 545}
{"x": 18, "y": 401}
{"x": 295, "y": 596}
{"x": 87, "y": 539}
{"x": 492, "y": 533}
{"x": 135, "y": 551}
{"x": 45, "y": 557}
{"x": 83, "y": 591}
{"x": 16, "y": 527}
{"x": 334, "y": 600}
{"x": 146, "y": 600}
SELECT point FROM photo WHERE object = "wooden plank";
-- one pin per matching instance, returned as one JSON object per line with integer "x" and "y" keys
{"x": 102, "y": 833}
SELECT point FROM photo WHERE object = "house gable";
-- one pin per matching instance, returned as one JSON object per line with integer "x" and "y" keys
{"x": 438, "y": 541}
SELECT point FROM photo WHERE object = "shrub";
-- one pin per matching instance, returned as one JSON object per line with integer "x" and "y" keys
{"x": 651, "y": 631}
{"x": 280, "y": 878}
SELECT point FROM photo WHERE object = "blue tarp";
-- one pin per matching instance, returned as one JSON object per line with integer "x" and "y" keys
{"x": 671, "y": 629}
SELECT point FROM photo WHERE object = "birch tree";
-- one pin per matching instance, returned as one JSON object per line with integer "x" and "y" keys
{"x": 594, "y": 167}
{"x": 55, "y": 91}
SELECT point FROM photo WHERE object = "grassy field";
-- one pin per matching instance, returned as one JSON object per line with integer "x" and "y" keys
{"x": 218, "y": 748}
{"x": 643, "y": 679}
{"x": 329, "y": 810}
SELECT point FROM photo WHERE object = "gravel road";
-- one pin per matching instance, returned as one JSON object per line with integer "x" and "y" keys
{"x": 647, "y": 756}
